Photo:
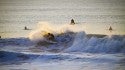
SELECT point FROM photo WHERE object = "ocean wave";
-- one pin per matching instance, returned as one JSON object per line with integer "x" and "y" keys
{"x": 73, "y": 42}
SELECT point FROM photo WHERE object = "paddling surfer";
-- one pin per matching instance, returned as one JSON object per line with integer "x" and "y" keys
{"x": 72, "y": 22}
{"x": 25, "y": 28}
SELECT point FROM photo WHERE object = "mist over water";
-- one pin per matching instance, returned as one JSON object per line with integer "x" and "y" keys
{"x": 46, "y": 27}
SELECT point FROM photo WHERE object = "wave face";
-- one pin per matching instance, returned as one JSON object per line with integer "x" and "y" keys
{"x": 113, "y": 44}
{"x": 73, "y": 42}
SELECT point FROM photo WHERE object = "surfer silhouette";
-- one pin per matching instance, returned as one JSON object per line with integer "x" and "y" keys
{"x": 25, "y": 28}
{"x": 0, "y": 36}
{"x": 49, "y": 36}
{"x": 110, "y": 29}
{"x": 72, "y": 22}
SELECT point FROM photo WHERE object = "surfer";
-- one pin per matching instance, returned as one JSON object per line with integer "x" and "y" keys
{"x": 25, "y": 28}
{"x": 49, "y": 36}
{"x": 110, "y": 28}
{"x": 0, "y": 37}
{"x": 72, "y": 22}
{"x": 50, "y": 39}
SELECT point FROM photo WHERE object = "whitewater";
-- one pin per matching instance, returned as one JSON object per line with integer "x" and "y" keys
{"x": 72, "y": 49}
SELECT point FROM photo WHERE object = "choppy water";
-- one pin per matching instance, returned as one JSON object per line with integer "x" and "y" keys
{"x": 71, "y": 52}
{"x": 62, "y": 61}
{"x": 76, "y": 51}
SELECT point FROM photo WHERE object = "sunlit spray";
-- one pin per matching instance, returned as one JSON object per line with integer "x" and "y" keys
{"x": 46, "y": 27}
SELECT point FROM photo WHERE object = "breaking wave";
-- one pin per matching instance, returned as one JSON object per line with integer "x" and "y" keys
{"x": 105, "y": 44}
{"x": 69, "y": 38}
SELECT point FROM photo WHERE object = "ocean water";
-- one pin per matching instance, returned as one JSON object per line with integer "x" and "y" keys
{"x": 73, "y": 48}
{"x": 66, "y": 61}
{"x": 95, "y": 15}
{"x": 72, "y": 51}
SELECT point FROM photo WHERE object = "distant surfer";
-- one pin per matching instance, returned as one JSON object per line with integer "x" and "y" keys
{"x": 110, "y": 28}
{"x": 25, "y": 28}
{"x": 72, "y": 22}
{"x": 0, "y": 37}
